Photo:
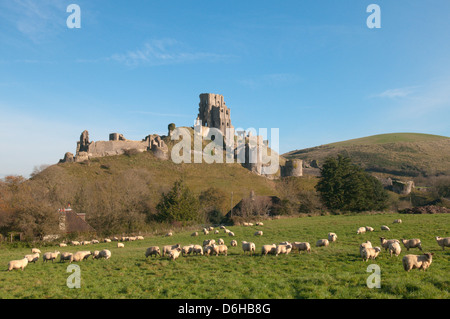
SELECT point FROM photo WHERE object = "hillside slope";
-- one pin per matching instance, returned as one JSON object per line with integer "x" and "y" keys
{"x": 400, "y": 154}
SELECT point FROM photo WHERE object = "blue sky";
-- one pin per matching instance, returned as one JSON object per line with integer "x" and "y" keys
{"x": 313, "y": 69}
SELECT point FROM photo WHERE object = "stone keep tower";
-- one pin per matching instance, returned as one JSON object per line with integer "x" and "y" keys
{"x": 213, "y": 112}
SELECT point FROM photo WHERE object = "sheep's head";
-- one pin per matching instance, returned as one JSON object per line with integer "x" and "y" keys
{"x": 429, "y": 256}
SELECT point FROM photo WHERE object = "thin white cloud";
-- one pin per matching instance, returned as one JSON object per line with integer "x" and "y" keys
{"x": 165, "y": 51}
{"x": 395, "y": 93}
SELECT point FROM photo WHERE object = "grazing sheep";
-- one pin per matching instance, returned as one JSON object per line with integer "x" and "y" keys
{"x": 123, "y": 238}
{"x": 368, "y": 228}
{"x": 283, "y": 249}
{"x": 322, "y": 242}
{"x": 222, "y": 227}
{"x": 361, "y": 230}
{"x": 75, "y": 243}
{"x": 35, "y": 251}
{"x": 417, "y": 261}
{"x": 211, "y": 228}
{"x": 227, "y": 231}
{"x": 367, "y": 244}
{"x": 332, "y": 237}
{"x": 385, "y": 243}
{"x": 208, "y": 242}
{"x": 81, "y": 255}
{"x": 397, "y": 221}
{"x": 216, "y": 231}
{"x": 412, "y": 243}
{"x": 50, "y": 256}
{"x": 105, "y": 253}
{"x": 250, "y": 224}
{"x": 154, "y": 250}
{"x": 231, "y": 234}
{"x": 220, "y": 249}
{"x": 95, "y": 241}
{"x": 120, "y": 245}
{"x": 186, "y": 250}
{"x": 168, "y": 248}
{"x": 207, "y": 250}
{"x": 205, "y": 231}
{"x": 443, "y": 241}
{"x": 115, "y": 239}
{"x": 245, "y": 224}
{"x": 233, "y": 243}
{"x": 250, "y": 247}
{"x": 17, "y": 264}
{"x": 169, "y": 234}
{"x": 259, "y": 224}
{"x": 384, "y": 227}
{"x": 66, "y": 256}
{"x": 134, "y": 238}
{"x": 197, "y": 249}
{"x": 32, "y": 258}
{"x": 107, "y": 240}
{"x": 301, "y": 246}
{"x": 194, "y": 234}
{"x": 394, "y": 248}
{"x": 174, "y": 253}
{"x": 86, "y": 242}
{"x": 220, "y": 242}
{"x": 269, "y": 249}
{"x": 62, "y": 245}
{"x": 258, "y": 233}
{"x": 139, "y": 237}
{"x": 370, "y": 253}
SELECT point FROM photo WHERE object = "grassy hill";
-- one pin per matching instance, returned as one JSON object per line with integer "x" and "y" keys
{"x": 400, "y": 154}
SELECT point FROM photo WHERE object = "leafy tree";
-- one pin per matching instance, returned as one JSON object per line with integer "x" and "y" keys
{"x": 345, "y": 186}
{"x": 179, "y": 204}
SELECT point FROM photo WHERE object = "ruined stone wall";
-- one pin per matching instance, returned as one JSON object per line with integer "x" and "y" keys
{"x": 293, "y": 168}
{"x": 213, "y": 112}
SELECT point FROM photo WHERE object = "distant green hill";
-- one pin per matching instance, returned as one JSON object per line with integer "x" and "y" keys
{"x": 400, "y": 154}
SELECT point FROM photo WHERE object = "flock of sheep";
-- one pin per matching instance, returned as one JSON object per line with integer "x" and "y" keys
{"x": 393, "y": 245}
{"x": 210, "y": 247}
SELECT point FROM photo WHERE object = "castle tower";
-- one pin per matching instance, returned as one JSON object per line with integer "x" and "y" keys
{"x": 293, "y": 168}
{"x": 213, "y": 112}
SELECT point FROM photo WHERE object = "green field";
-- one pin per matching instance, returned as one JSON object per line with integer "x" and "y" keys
{"x": 336, "y": 271}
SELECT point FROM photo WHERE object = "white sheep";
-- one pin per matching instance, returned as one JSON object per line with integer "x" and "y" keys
{"x": 153, "y": 250}
{"x": 81, "y": 255}
{"x": 301, "y": 246}
{"x": 66, "y": 256}
{"x": 247, "y": 246}
{"x": 62, "y": 245}
{"x": 397, "y": 221}
{"x": 207, "y": 250}
{"x": 216, "y": 232}
{"x": 259, "y": 224}
{"x": 443, "y": 241}
{"x": 95, "y": 241}
{"x": 209, "y": 242}
{"x": 85, "y": 242}
{"x": 385, "y": 243}
{"x": 233, "y": 243}
{"x": 75, "y": 243}
{"x": 17, "y": 264}
{"x": 258, "y": 233}
{"x": 134, "y": 238}
{"x": 367, "y": 244}
{"x": 220, "y": 249}
{"x": 245, "y": 224}
{"x": 384, "y": 227}
{"x": 417, "y": 261}
{"x": 370, "y": 253}
{"x": 32, "y": 258}
{"x": 322, "y": 242}
{"x": 394, "y": 248}
{"x": 269, "y": 249}
{"x": 412, "y": 243}
{"x": 231, "y": 234}
{"x": 120, "y": 245}
{"x": 105, "y": 253}
{"x": 168, "y": 248}
{"x": 197, "y": 249}
{"x": 368, "y": 228}
{"x": 35, "y": 251}
{"x": 222, "y": 227}
{"x": 174, "y": 253}
{"x": 194, "y": 234}
{"x": 139, "y": 237}
{"x": 169, "y": 234}
{"x": 186, "y": 250}
{"x": 50, "y": 256}
{"x": 283, "y": 248}
{"x": 361, "y": 230}
{"x": 332, "y": 237}
{"x": 115, "y": 238}
{"x": 107, "y": 240}
{"x": 205, "y": 231}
